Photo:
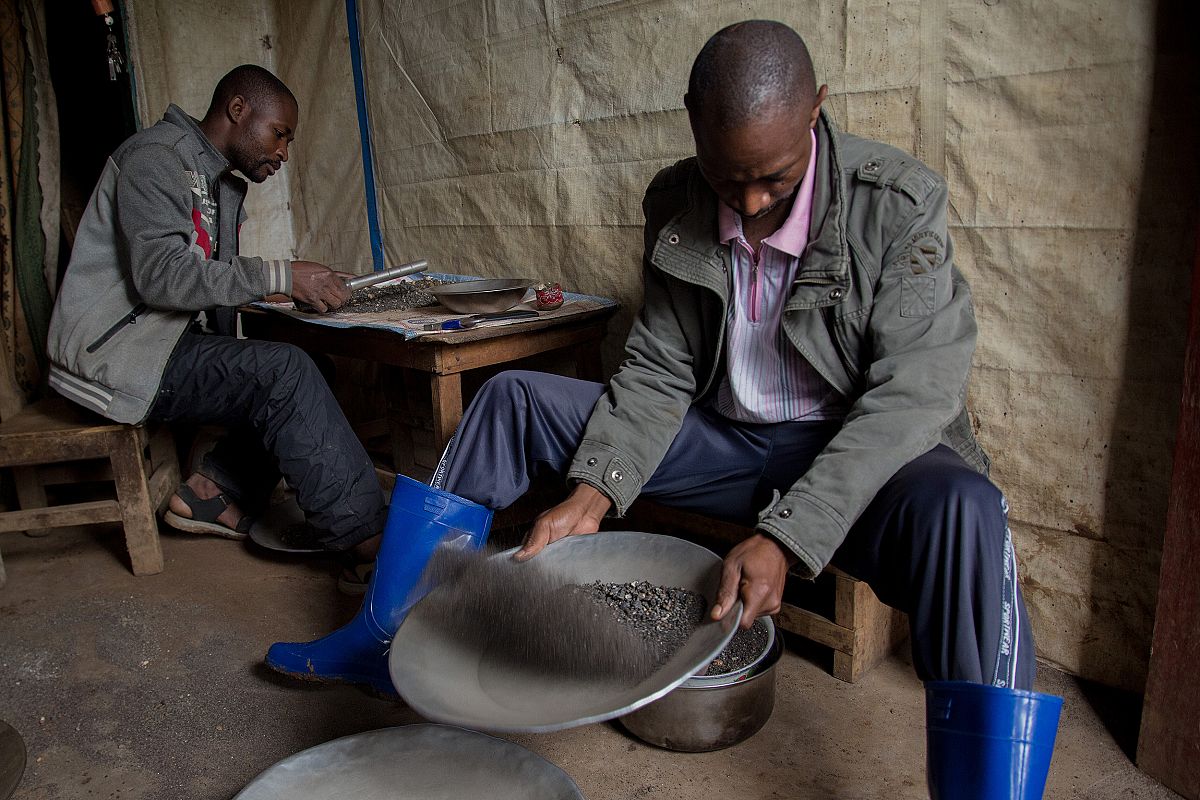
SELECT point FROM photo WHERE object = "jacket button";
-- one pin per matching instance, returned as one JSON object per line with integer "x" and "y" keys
{"x": 616, "y": 475}
{"x": 673, "y": 238}
{"x": 591, "y": 462}
{"x": 836, "y": 294}
{"x": 784, "y": 513}
{"x": 871, "y": 166}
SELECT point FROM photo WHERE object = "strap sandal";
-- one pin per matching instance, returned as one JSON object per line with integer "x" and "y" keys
{"x": 204, "y": 516}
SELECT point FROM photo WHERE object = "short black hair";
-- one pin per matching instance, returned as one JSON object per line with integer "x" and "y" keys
{"x": 751, "y": 70}
{"x": 257, "y": 85}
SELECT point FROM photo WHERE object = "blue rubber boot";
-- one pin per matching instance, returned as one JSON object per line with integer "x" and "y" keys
{"x": 988, "y": 743}
{"x": 420, "y": 518}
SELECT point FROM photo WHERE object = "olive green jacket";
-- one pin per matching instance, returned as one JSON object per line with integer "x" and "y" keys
{"x": 877, "y": 308}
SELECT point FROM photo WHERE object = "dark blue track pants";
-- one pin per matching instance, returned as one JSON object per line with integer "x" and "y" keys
{"x": 934, "y": 543}
{"x": 282, "y": 418}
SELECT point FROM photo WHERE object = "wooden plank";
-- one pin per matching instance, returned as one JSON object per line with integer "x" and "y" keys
{"x": 447, "y": 405}
{"x": 31, "y": 494}
{"x": 816, "y": 628}
{"x": 56, "y": 415}
{"x": 30, "y": 449}
{"x": 163, "y": 483}
{"x": 61, "y": 516}
{"x": 489, "y": 352}
{"x": 878, "y": 630}
{"x": 844, "y": 599}
{"x": 428, "y": 353}
{"x": 137, "y": 509}
{"x": 1170, "y": 734}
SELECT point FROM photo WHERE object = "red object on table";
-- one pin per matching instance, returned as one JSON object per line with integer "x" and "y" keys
{"x": 549, "y": 296}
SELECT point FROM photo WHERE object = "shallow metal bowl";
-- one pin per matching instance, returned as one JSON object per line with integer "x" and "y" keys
{"x": 413, "y": 762}
{"x": 482, "y": 297}
{"x": 447, "y": 679}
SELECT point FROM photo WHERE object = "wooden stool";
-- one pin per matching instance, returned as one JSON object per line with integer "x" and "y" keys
{"x": 862, "y": 631}
{"x": 37, "y": 441}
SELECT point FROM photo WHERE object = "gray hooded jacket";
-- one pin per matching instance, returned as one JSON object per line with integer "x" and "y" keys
{"x": 157, "y": 243}
{"x": 877, "y": 308}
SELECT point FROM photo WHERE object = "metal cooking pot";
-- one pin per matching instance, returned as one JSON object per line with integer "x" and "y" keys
{"x": 697, "y": 719}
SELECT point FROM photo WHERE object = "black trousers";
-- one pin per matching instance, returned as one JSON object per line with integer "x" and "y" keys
{"x": 934, "y": 542}
{"x": 282, "y": 419}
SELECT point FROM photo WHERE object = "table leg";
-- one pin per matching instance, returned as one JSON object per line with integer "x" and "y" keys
{"x": 447, "y": 406}
{"x": 399, "y": 412}
{"x": 588, "y": 365}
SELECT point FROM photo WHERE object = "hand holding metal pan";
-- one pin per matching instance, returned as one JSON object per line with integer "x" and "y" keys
{"x": 447, "y": 679}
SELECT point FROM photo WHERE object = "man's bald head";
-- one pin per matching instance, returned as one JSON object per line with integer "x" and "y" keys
{"x": 252, "y": 83}
{"x": 751, "y": 71}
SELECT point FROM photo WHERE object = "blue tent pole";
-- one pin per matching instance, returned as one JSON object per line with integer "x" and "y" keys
{"x": 364, "y": 134}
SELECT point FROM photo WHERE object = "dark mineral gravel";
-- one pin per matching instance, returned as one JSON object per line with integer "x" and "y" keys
{"x": 743, "y": 650}
{"x": 400, "y": 296}
{"x": 663, "y": 616}
{"x": 666, "y": 617}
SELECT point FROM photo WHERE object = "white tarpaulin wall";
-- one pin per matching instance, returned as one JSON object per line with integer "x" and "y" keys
{"x": 515, "y": 137}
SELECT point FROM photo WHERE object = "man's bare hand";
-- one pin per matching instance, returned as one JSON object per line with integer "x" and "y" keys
{"x": 756, "y": 570}
{"x": 580, "y": 513}
{"x": 318, "y": 286}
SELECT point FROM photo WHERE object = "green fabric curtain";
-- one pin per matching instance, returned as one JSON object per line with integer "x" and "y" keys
{"x": 25, "y": 301}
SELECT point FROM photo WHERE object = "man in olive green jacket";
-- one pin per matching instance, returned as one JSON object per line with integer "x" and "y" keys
{"x": 800, "y": 365}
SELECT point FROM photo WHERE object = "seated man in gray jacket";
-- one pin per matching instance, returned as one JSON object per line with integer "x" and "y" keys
{"x": 800, "y": 366}
{"x": 157, "y": 244}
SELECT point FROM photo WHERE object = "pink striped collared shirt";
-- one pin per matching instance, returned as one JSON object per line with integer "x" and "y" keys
{"x": 766, "y": 379}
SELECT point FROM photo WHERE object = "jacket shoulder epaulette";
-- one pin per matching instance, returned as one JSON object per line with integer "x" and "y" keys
{"x": 887, "y": 167}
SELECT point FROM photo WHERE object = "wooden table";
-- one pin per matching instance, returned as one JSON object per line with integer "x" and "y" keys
{"x": 441, "y": 358}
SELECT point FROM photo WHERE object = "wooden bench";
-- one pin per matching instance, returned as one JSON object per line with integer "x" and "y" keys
{"x": 861, "y": 630}
{"x": 54, "y": 442}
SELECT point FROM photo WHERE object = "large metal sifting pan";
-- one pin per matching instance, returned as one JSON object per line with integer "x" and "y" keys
{"x": 455, "y": 679}
{"x": 414, "y": 762}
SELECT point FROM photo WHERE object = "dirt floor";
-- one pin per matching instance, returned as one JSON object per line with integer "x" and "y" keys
{"x": 153, "y": 687}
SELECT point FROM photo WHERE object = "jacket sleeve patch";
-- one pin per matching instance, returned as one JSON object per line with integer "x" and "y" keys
{"x": 926, "y": 252}
{"x": 918, "y": 295}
